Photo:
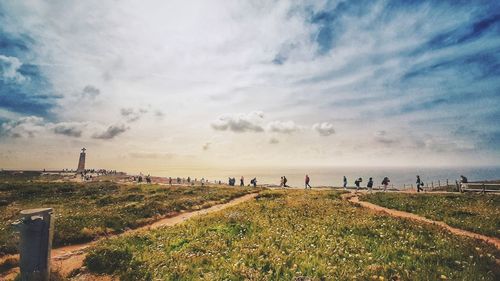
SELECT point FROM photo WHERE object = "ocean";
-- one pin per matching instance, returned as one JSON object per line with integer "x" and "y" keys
{"x": 333, "y": 176}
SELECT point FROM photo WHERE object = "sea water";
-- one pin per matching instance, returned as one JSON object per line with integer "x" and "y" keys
{"x": 333, "y": 176}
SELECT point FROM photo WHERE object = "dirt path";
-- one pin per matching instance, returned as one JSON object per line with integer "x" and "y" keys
{"x": 69, "y": 258}
{"x": 353, "y": 198}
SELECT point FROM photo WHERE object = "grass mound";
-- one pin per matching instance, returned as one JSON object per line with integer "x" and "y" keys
{"x": 86, "y": 211}
{"x": 295, "y": 235}
{"x": 478, "y": 213}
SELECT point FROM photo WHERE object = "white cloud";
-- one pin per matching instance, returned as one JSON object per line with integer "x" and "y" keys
{"x": 324, "y": 129}
{"x": 24, "y": 127}
{"x": 240, "y": 123}
{"x": 9, "y": 69}
{"x": 283, "y": 127}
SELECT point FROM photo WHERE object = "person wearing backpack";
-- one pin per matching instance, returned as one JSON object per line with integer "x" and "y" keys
{"x": 357, "y": 182}
{"x": 369, "y": 185}
{"x": 385, "y": 183}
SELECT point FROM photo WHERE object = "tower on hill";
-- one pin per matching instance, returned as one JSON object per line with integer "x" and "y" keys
{"x": 81, "y": 162}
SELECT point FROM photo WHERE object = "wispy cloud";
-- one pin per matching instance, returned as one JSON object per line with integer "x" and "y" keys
{"x": 111, "y": 132}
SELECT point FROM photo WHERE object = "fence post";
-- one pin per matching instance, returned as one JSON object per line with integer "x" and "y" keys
{"x": 446, "y": 182}
{"x": 37, "y": 230}
{"x": 439, "y": 183}
{"x": 432, "y": 185}
{"x": 484, "y": 189}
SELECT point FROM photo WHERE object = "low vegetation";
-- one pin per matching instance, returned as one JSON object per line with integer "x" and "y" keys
{"x": 295, "y": 235}
{"x": 86, "y": 211}
{"x": 479, "y": 213}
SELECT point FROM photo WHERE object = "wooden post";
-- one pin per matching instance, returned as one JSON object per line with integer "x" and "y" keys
{"x": 432, "y": 185}
{"x": 439, "y": 183}
{"x": 484, "y": 189}
{"x": 446, "y": 182}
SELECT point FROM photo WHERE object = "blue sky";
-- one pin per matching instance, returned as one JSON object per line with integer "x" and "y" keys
{"x": 191, "y": 83}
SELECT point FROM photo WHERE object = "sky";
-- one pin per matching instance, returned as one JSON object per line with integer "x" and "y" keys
{"x": 159, "y": 85}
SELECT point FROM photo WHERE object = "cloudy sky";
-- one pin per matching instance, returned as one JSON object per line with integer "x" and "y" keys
{"x": 151, "y": 85}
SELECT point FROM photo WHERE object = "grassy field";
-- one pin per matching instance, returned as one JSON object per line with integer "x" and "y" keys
{"x": 475, "y": 212}
{"x": 86, "y": 211}
{"x": 295, "y": 235}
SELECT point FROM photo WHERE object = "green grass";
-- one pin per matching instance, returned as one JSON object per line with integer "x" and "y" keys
{"x": 86, "y": 211}
{"x": 479, "y": 213}
{"x": 295, "y": 235}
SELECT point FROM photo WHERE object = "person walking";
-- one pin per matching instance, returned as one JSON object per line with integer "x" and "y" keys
{"x": 307, "y": 182}
{"x": 369, "y": 185}
{"x": 254, "y": 182}
{"x": 420, "y": 184}
{"x": 357, "y": 182}
{"x": 345, "y": 182}
{"x": 285, "y": 180}
{"x": 242, "y": 181}
{"x": 385, "y": 183}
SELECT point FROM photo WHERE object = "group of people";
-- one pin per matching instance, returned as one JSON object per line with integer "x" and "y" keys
{"x": 140, "y": 178}
{"x": 369, "y": 185}
{"x": 232, "y": 182}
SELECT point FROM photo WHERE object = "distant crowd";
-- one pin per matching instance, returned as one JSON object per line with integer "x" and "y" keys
{"x": 384, "y": 184}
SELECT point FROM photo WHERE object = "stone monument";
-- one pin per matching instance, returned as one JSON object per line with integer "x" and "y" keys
{"x": 81, "y": 162}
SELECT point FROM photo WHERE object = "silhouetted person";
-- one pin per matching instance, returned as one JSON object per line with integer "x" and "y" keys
{"x": 463, "y": 179}
{"x": 285, "y": 180}
{"x": 242, "y": 181}
{"x": 307, "y": 180}
{"x": 254, "y": 182}
{"x": 463, "y": 182}
{"x": 357, "y": 182}
{"x": 385, "y": 183}
{"x": 420, "y": 184}
{"x": 369, "y": 185}
{"x": 345, "y": 182}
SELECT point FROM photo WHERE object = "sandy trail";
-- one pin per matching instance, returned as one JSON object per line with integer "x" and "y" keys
{"x": 68, "y": 258}
{"x": 353, "y": 198}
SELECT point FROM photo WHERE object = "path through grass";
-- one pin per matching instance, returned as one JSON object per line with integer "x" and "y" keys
{"x": 308, "y": 235}
{"x": 86, "y": 211}
{"x": 478, "y": 213}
